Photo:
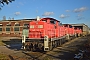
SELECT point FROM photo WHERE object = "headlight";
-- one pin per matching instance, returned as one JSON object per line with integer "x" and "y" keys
{"x": 31, "y": 26}
{"x": 40, "y": 26}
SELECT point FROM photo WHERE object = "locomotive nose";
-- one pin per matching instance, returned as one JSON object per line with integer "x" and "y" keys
{"x": 35, "y": 34}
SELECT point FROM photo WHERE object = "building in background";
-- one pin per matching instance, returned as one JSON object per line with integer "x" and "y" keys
{"x": 83, "y": 27}
{"x": 13, "y": 28}
{"x": 89, "y": 30}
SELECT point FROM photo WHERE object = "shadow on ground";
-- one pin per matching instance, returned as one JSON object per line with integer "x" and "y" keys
{"x": 14, "y": 44}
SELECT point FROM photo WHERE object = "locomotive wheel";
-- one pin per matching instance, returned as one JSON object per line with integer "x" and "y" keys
{"x": 40, "y": 47}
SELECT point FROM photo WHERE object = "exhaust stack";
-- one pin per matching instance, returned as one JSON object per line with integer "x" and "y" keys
{"x": 38, "y": 18}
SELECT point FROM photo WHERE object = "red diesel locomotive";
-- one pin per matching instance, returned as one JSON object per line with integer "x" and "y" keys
{"x": 48, "y": 33}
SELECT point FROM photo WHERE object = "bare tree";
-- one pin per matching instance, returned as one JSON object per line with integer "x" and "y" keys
{"x": 9, "y": 18}
{"x": 3, "y": 2}
{"x": 12, "y": 18}
{"x": 4, "y": 17}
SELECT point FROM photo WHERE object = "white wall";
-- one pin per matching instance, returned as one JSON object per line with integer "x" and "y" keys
{"x": 89, "y": 31}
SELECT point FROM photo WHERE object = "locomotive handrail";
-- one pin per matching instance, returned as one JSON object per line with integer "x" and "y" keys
{"x": 35, "y": 38}
{"x": 58, "y": 38}
{"x": 51, "y": 38}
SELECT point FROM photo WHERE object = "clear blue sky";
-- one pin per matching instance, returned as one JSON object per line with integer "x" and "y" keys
{"x": 67, "y": 11}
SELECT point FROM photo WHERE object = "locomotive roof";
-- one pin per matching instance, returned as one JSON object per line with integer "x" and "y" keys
{"x": 66, "y": 24}
{"x": 50, "y": 19}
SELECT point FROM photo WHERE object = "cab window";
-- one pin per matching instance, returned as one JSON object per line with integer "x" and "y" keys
{"x": 44, "y": 20}
{"x": 60, "y": 23}
{"x": 70, "y": 26}
{"x": 52, "y": 22}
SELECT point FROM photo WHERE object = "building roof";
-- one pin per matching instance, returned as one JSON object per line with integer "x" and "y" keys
{"x": 82, "y": 24}
{"x": 19, "y": 20}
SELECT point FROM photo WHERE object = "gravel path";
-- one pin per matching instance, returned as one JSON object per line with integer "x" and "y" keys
{"x": 66, "y": 51}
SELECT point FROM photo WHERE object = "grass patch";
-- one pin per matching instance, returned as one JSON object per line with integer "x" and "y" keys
{"x": 47, "y": 58}
{"x": 4, "y": 57}
{"x": 1, "y": 43}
